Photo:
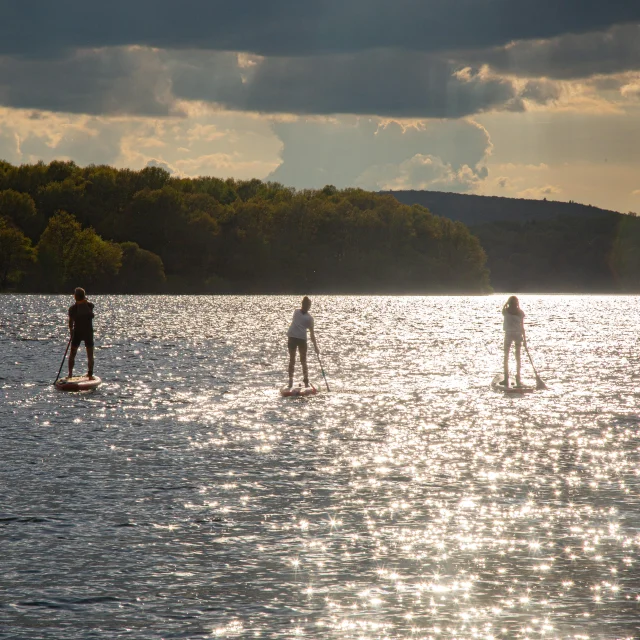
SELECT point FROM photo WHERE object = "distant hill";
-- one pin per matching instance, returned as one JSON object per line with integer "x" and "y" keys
{"x": 474, "y": 210}
{"x": 545, "y": 246}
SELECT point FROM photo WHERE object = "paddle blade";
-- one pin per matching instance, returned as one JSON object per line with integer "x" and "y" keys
{"x": 540, "y": 385}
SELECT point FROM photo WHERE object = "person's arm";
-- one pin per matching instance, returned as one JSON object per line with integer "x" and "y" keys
{"x": 71, "y": 324}
{"x": 313, "y": 339}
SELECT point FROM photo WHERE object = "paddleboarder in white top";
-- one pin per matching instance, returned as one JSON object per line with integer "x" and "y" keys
{"x": 513, "y": 325}
{"x": 297, "y": 339}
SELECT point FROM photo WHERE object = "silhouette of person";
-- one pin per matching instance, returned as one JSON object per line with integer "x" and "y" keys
{"x": 81, "y": 328}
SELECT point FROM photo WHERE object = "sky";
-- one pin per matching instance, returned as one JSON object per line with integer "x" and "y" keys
{"x": 518, "y": 98}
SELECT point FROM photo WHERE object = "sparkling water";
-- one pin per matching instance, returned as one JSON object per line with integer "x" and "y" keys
{"x": 186, "y": 499}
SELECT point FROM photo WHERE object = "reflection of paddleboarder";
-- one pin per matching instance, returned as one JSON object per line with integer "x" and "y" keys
{"x": 513, "y": 326}
{"x": 297, "y": 339}
{"x": 81, "y": 328}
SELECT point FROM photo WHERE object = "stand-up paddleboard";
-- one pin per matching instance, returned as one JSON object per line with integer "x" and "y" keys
{"x": 512, "y": 389}
{"x": 298, "y": 392}
{"x": 78, "y": 383}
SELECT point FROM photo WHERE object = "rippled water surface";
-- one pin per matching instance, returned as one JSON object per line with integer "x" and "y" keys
{"x": 187, "y": 499}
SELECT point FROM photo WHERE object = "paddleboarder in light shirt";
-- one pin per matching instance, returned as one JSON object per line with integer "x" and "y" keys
{"x": 81, "y": 329}
{"x": 297, "y": 339}
{"x": 513, "y": 325}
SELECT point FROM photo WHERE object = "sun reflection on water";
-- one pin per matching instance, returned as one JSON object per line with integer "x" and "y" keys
{"x": 186, "y": 497}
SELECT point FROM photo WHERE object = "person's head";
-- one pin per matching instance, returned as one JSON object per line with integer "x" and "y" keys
{"x": 513, "y": 304}
{"x": 79, "y": 294}
{"x": 306, "y": 304}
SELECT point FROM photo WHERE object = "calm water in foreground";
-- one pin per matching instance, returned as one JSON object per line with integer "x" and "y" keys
{"x": 187, "y": 499}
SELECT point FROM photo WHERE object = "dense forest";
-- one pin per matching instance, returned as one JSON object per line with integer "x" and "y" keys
{"x": 545, "y": 246}
{"x": 126, "y": 231}
{"x": 592, "y": 254}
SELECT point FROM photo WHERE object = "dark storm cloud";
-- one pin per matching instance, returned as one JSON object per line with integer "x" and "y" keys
{"x": 108, "y": 81}
{"x": 384, "y": 83}
{"x": 140, "y": 81}
{"x": 298, "y": 27}
{"x": 400, "y": 58}
{"x": 570, "y": 56}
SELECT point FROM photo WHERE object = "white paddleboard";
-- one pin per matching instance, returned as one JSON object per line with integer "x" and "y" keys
{"x": 512, "y": 389}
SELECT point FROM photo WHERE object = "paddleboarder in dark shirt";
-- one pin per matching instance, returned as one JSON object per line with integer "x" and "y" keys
{"x": 81, "y": 329}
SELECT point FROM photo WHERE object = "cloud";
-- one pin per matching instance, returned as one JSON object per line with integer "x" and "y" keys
{"x": 602, "y": 184}
{"x": 381, "y": 82}
{"x": 394, "y": 81}
{"x": 541, "y": 91}
{"x": 420, "y": 172}
{"x": 567, "y": 56}
{"x": 630, "y": 88}
{"x": 9, "y": 146}
{"x": 204, "y": 143}
{"x": 309, "y": 152}
{"x": 97, "y": 82}
{"x": 557, "y": 137}
{"x": 29, "y": 137}
{"x": 391, "y": 58}
{"x": 306, "y": 27}
{"x": 372, "y": 153}
{"x": 138, "y": 81}
{"x": 142, "y": 81}
{"x": 537, "y": 193}
{"x": 161, "y": 165}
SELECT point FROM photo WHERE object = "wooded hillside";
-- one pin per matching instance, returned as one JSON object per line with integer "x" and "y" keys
{"x": 114, "y": 230}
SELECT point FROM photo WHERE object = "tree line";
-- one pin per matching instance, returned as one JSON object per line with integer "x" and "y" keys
{"x": 125, "y": 231}
{"x": 597, "y": 253}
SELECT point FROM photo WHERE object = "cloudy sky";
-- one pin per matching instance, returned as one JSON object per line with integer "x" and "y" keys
{"x": 526, "y": 98}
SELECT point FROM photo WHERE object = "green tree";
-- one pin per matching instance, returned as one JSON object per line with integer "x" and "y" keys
{"x": 141, "y": 271}
{"x": 94, "y": 262}
{"x": 624, "y": 257}
{"x": 16, "y": 253}
{"x": 54, "y": 248}
{"x": 21, "y": 210}
{"x": 64, "y": 195}
{"x": 69, "y": 255}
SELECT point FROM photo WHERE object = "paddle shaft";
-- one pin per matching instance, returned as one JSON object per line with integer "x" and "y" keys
{"x": 539, "y": 380}
{"x": 323, "y": 373}
{"x": 64, "y": 357}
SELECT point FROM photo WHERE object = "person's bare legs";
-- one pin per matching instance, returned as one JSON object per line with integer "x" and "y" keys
{"x": 72, "y": 359}
{"x": 507, "y": 347}
{"x": 90, "y": 362}
{"x": 518, "y": 349}
{"x": 303, "y": 362}
{"x": 292, "y": 364}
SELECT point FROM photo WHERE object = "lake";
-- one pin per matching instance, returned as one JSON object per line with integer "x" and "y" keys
{"x": 186, "y": 499}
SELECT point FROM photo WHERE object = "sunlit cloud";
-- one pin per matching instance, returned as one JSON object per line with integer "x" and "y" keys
{"x": 537, "y": 193}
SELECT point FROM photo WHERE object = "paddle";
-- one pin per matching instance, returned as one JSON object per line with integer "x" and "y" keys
{"x": 539, "y": 381}
{"x": 323, "y": 373}
{"x": 64, "y": 357}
